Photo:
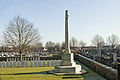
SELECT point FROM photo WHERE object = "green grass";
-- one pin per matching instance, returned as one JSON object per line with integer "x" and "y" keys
{"x": 32, "y": 73}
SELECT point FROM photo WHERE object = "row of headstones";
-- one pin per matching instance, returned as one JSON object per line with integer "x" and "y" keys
{"x": 41, "y": 63}
{"x": 24, "y": 59}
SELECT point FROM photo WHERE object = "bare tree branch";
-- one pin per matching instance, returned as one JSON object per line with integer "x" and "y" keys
{"x": 82, "y": 43}
{"x": 20, "y": 33}
{"x": 74, "y": 42}
{"x": 113, "y": 40}
{"x": 98, "y": 41}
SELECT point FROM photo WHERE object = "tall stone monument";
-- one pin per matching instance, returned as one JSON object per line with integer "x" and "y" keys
{"x": 68, "y": 66}
{"x": 67, "y": 56}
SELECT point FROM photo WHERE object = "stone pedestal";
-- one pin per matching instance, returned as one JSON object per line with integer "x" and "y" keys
{"x": 68, "y": 66}
{"x": 67, "y": 59}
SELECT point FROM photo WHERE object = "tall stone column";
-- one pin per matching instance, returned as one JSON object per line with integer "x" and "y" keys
{"x": 67, "y": 56}
{"x": 67, "y": 44}
{"x": 67, "y": 66}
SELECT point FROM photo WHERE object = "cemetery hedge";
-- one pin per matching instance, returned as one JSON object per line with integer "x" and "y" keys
{"x": 32, "y": 73}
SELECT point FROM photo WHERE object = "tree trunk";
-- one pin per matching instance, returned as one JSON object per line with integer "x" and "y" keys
{"x": 20, "y": 55}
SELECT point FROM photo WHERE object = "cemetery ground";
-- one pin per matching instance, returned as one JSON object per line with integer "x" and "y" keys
{"x": 32, "y": 73}
{"x": 41, "y": 73}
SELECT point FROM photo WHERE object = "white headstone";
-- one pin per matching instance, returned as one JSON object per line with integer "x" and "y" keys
{"x": 39, "y": 63}
{"x": 7, "y": 59}
{"x": 17, "y": 59}
{"x": 0, "y": 64}
{"x": 23, "y": 64}
{"x": 7, "y": 64}
{"x": 4, "y": 64}
{"x": 32, "y": 63}
{"x": 33, "y": 58}
{"x": 38, "y": 58}
{"x": 11, "y": 64}
{"x": 48, "y": 63}
{"x": 14, "y": 63}
{"x": 18, "y": 64}
{"x": 30, "y": 58}
{"x": 36, "y": 63}
{"x": 44, "y": 63}
{"x": 26, "y": 63}
{"x": 12, "y": 59}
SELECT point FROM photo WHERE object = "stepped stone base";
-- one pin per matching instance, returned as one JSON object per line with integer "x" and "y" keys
{"x": 68, "y": 66}
{"x": 68, "y": 70}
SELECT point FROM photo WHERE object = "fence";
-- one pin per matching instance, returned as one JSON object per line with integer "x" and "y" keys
{"x": 35, "y": 63}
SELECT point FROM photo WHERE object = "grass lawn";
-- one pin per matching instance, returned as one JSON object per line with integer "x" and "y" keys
{"x": 32, "y": 73}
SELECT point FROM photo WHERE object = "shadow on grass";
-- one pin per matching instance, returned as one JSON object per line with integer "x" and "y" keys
{"x": 44, "y": 72}
{"x": 72, "y": 77}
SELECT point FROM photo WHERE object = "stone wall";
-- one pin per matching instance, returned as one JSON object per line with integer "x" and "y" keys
{"x": 108, "y": 72}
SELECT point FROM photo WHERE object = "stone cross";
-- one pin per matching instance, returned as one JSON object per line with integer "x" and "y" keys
{"x": 67, "y": 56}
{"x": 67, "y": 66}
{"x": 67, "y": 45}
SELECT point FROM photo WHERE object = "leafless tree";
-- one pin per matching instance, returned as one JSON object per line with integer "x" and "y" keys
{"x": 82, "y": 43}
{"x": 74, "y": 42}
{"x": 36, "y": 48}
{"x": 50, "y": 46}
{"x": 63, "y": 45}
{"x": 20, "y": 33}
{"x": 98, "y": 41}
{"x": 57, "y": 46}
{"x": 113, "y": 40}
{"x": 38, "y": 45}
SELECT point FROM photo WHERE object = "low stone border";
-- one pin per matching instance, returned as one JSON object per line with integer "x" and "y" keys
{"x": 108, "y": 72}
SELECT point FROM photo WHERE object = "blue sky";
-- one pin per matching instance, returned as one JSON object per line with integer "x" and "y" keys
{"x": 86, "y": 17}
